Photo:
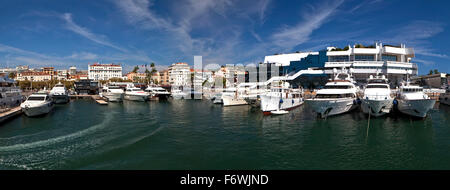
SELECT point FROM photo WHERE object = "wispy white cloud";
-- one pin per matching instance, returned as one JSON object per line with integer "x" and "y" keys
{"x": 289, "y": 37}
{"x": 262, "y": 10}
{"x": 426, "y": 62}
{"x": 17, "y": 56}
{"x": 100, "y": 39}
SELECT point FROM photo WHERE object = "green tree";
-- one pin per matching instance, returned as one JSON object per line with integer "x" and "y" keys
{"x": 12, "y": 75}
{"x": 148, "y": 76}
{"x": 436, "y": 71}
{"x": 431, "y": 72}
{"x": 136, "y": 68}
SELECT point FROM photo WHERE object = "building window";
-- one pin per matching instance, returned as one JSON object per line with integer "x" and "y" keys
{"x": 364, "y": 58}
{"x": 338, "y": 58}
{"x": 389, "y": 58}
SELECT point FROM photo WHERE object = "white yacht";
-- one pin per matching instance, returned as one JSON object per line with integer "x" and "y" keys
{"x": 231, "y": 97}
{"x": 377, "y": 99}
{"x": 337, "y": 97}
{"x": 112, "y": 93}
{"x": 444, "y": 98}
{"x": 10, "y": 94}
{"x": 280, "y": 98}
{"x": 217, "y": 98}
{"x": 135, "y": 94}
{"x": 179, "y": 94}
{"x": 157, "y": 91}
{"x": 37, "y": 104}
{"x": 413, "y": 101}
{"x": 59, "y": 94}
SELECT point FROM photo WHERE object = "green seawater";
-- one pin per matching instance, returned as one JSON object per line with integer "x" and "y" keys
{"x": 196, "y": 134}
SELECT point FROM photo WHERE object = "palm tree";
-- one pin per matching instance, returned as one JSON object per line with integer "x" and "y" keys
{"x": 136, "y": 68}
{"x": 148, "y": 75}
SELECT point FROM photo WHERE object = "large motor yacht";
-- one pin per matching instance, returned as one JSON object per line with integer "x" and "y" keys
{"x": 59, "y": 94}
{"x": 337, "y": 97}
{"x": 37, "y": 104}
{"x": 112, "y": 93}
{"x": 377, "y": 99}
{"x": 135, "y": 94}
{"x": 158, "y": 92}
{"x": 413, "y": 101}
{"x": 280, "y": 98}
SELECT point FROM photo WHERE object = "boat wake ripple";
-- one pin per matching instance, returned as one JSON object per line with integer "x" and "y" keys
{"x": 58, "y": 139}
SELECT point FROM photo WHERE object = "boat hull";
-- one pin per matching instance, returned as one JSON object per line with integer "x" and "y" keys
{"x": 138, "y": 98}
{"x": 416, "y": 108}
{"x": 179, "y": 96}
{"x": 231, "y": 101}
{"x": 60, "y": 99}
{"x": 272, "y": 103}
{"x": 162, "y": 96}
{"x": 326, "y": 108}
{"x": 444, "y": 99}
{"x": 376, "y": 107}
{"x": 113, "y": 97}
{"x": 217, "y": 101}
{"x": 42, "y": 109}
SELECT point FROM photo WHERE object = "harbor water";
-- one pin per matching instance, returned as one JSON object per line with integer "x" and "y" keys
{"x": 196, "y": 134}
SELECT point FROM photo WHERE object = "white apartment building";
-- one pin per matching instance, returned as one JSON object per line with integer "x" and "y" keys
{"x": 179, "y": 74}
{"x": 72, "y": 70}
{"x": 33, "y": 76}
{"x": 392, "y": 61}
{"x": 62, "y": 74}
{"x": 104, "y": 71}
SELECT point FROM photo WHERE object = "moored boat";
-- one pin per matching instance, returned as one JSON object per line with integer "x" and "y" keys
{"x": 37, "y": 104}
{"x": 413, "y": 101}
{"x": 135, "y": 94}
{"x": 280, "y": 98}
{"x": 337, "y": 97}
{"x": 157, "y": 92}
{"x": 112, "y": 93}
{"x": 377, "y": 100}
{"x": 59, "y": 94}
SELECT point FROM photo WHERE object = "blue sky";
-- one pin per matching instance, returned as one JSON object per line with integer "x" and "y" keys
{"x": 135, "y": 32}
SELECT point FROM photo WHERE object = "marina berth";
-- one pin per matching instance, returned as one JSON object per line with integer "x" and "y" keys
{"x": 377, "y": 100}
{"x": 59, "y": 94}
{"x": 280, "y": 97}
{"x": 37, "y": 104}
{"x": 337, "y": 97}
{"x": 135, "y": 94}
{"x": 413, "y": 101}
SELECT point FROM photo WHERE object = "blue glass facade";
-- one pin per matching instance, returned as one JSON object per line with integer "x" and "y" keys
{"x": 308, "y": 62}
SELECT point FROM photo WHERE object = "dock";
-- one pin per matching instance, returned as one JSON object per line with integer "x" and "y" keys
{"x": 99, "y": 100}
{"x": 4, "y": 116}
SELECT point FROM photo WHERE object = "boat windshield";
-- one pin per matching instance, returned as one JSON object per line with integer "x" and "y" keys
{"x": 377, "y": 86}
{"x": 337, "y": 87}
{"x": 349, "y": 95}
{"x": 412, "y": 90}
{"x": 378, "y": 81}
{"x": 36, "y": 98}
{"x": 114, "y": 87}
